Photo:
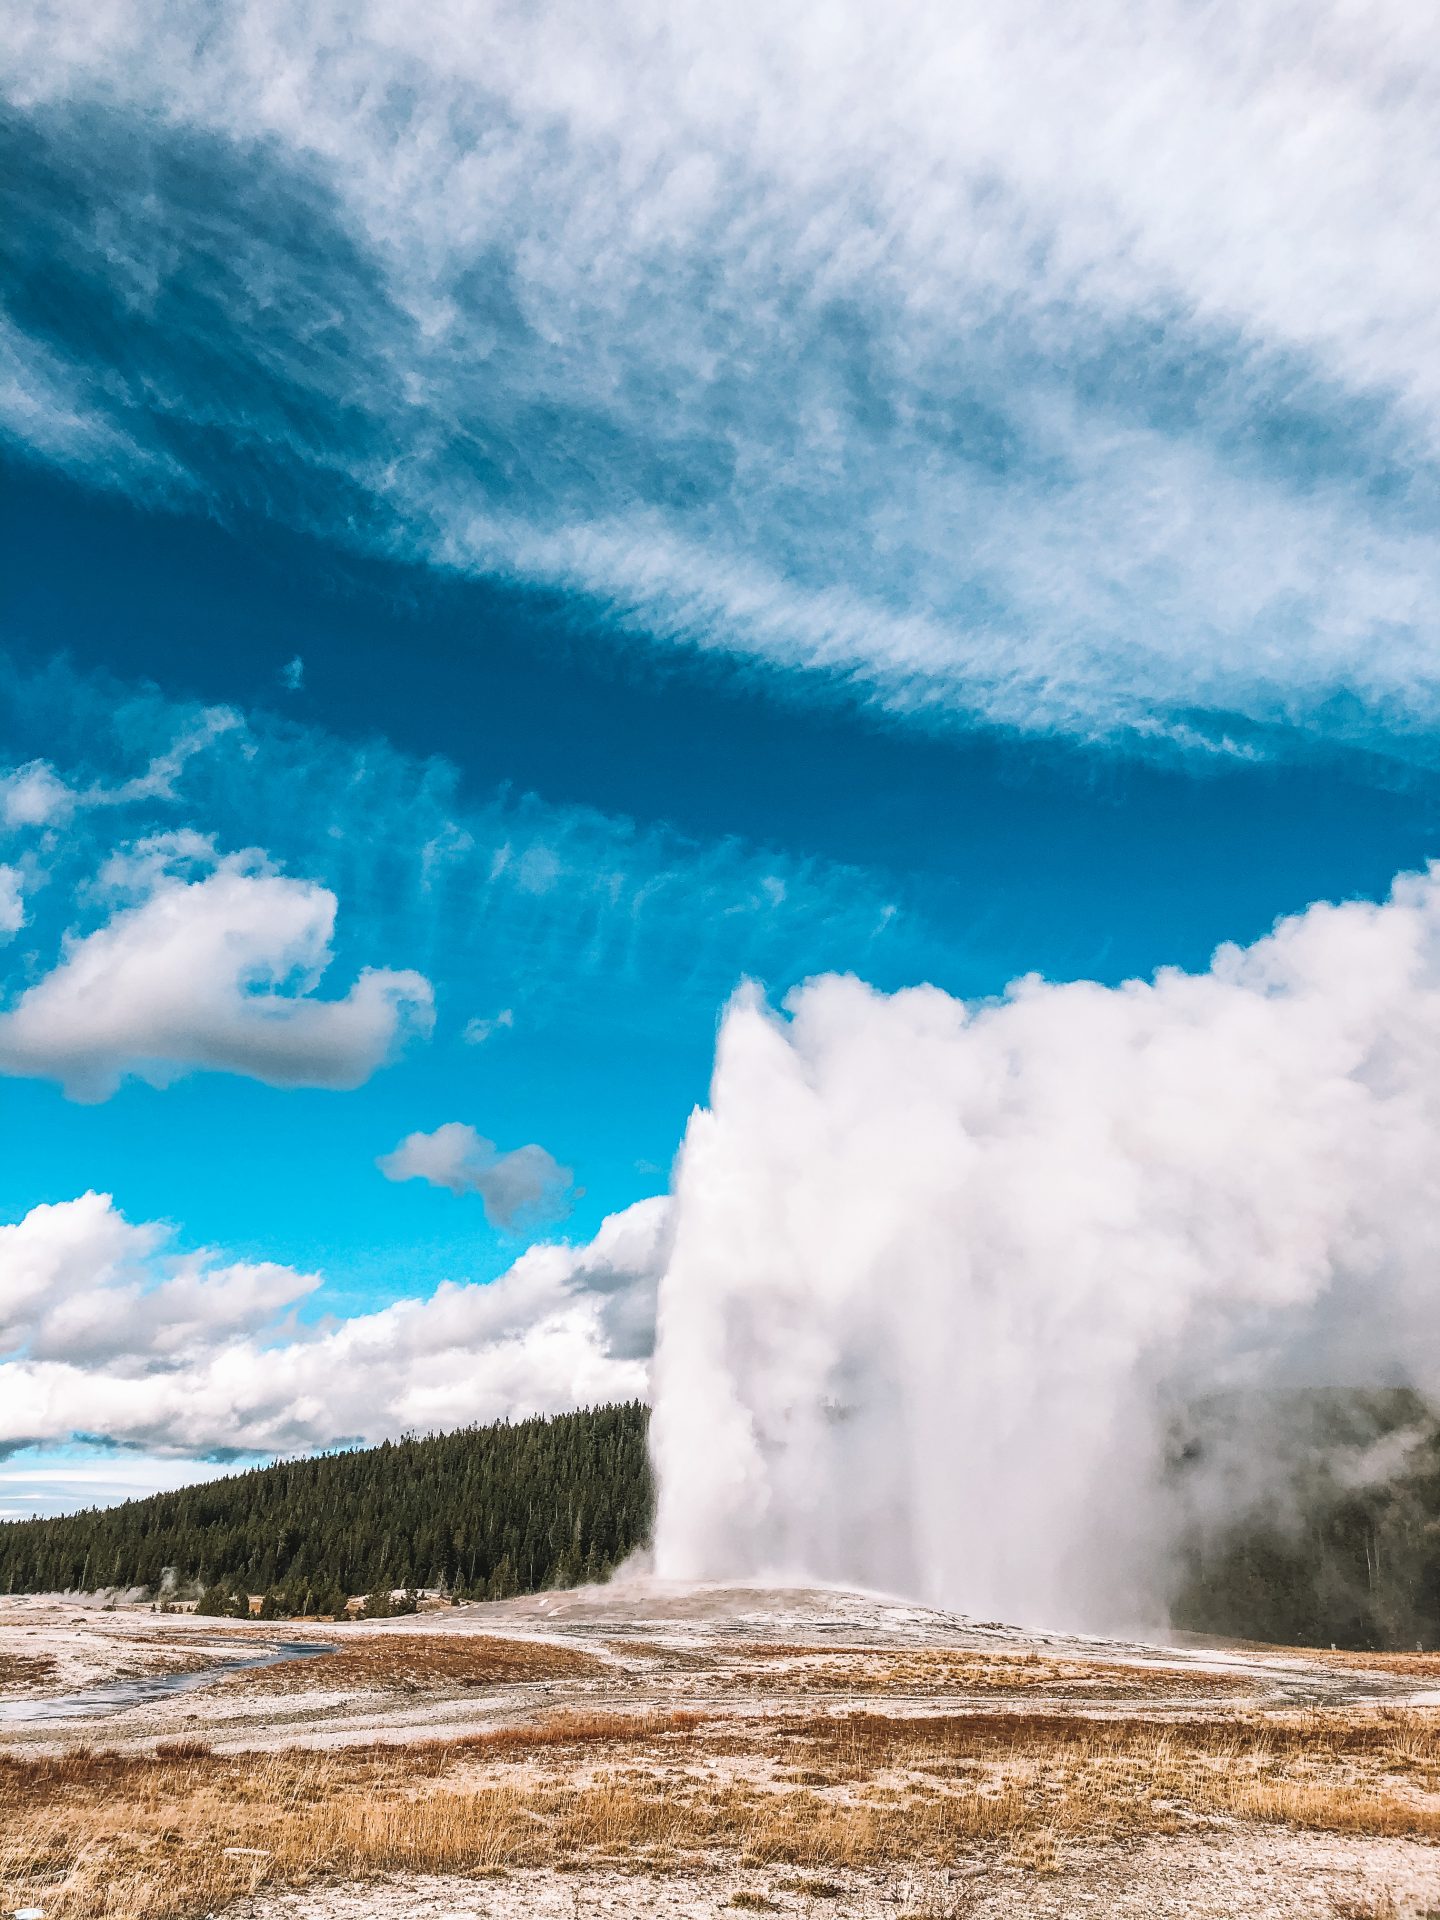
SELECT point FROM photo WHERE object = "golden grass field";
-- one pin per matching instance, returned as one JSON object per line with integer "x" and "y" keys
{"x": 924, "y": 1671}
{"x": 181, "y": 1830}
{"x": 1064, "y": 1754}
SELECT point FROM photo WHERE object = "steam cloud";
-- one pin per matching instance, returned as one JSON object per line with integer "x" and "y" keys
{"x": 944, "y": 1276}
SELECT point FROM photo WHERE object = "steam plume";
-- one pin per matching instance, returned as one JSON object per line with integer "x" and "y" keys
{"x": 944, "y": 1275}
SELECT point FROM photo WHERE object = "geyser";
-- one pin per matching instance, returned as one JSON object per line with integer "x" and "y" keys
{"x": 944, "y": 1275}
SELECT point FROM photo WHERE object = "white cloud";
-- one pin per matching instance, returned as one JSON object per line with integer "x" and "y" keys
{"x": 35, "y": 795}
{"x": 526, "y": 1183}
{"x": 80, "y": 1283}
{"x": 478, "y": 1030}
{"x": 217, "y": 972}
{"x": 12, "y": 902}
{"x": 630, "y": 907}
{"x": 110, "y": 1335}
{"x": 52, "y": 1482}
{"x": 292, "y": 674}
{"x": 944, "y": 1274}
{"x": 45, "y": 404}
{"x": 1089, "y": 371}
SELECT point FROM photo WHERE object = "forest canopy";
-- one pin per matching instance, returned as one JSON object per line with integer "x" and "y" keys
{"x": 483, "y": 1513}
{"x": 1344, "y": 1548}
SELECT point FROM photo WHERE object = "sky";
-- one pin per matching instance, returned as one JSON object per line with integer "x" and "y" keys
{"x": 518, "y": 522}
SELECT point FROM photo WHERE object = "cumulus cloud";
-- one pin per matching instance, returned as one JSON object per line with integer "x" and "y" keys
{"x": 106, "y": 1333}
{"x": 1089, "y": 373}
{"x": 79, "y": 1283}
{"x": 214, "y": 965}
{"x": 944, "y": 1274}
{"x": 526, "y": 1183}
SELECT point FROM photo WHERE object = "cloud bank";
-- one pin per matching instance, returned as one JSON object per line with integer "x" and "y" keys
{"x": 106, "y": 1334}
{"x": 527, "y": 1183}
{"x": 944, "y": 1274}
{"x": 1079, "y": 377}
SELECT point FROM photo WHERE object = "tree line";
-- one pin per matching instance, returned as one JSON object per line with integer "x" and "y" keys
{"x": 482, "y": 1513}
{"x": 1342, "y": 1547}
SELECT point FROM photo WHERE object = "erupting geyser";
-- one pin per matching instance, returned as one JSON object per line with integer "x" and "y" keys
{"x": 944, "y": 1275}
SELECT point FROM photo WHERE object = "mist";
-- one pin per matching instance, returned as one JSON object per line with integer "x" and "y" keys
{"x": 948, "y": 1279}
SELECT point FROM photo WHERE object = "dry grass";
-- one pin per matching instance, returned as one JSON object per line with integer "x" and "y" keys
{"x": 19, "y": 1672}
{"x": 182, "y": 1830}
{"x": 938, "y": 1670}
{"x": 1416, "y": 1666}
{"x": 678, "y": 1659}
{"x": 428, "y": 1663}
{"x": 144, "y": 1663}
{"x": 1379, "y": 1906}
{"x": 1423, "y": 1666}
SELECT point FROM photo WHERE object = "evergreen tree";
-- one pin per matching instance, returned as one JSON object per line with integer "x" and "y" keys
{"x": 1341, "y": 1545}
{"x": 511, "y": 1508}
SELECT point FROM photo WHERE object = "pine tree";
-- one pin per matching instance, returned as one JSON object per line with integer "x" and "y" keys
{"x": 495, "y": 1510}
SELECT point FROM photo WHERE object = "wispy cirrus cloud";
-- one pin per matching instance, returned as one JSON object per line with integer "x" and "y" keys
{"x": 502, "y": 901}
{"x": 1078, "y": 377}
{"x": 34, "y": 795}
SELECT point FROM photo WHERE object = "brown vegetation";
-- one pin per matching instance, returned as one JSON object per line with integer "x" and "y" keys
{"x": 1379, "y": 1906}
{"x": 179, "y": 1831}
{"x": 422, "y": 1663}
{"x": 19, "y": 1672}
{"x": 1417, "y": 1666}
{"x": 1420, "y": 1664}
{"x": 935, "y": 1670}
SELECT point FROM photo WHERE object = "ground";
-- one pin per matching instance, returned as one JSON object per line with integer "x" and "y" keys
{"x": 638, "y": 1749}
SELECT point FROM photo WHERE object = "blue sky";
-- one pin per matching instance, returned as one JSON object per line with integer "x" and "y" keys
{"x": 618, "y": 512}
